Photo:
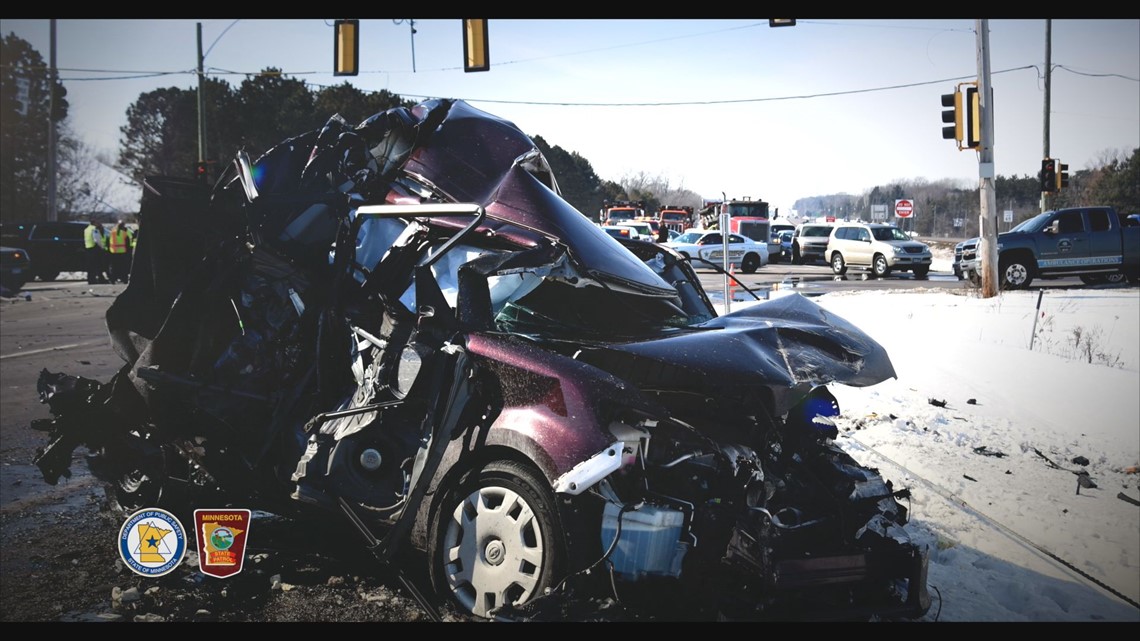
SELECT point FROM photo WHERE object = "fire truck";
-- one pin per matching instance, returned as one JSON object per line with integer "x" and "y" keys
{"x": 676, "y": 217}
{"x": 614, "y": 211}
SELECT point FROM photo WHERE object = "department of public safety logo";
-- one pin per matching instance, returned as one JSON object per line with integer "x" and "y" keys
{"x": 152, "y": 542}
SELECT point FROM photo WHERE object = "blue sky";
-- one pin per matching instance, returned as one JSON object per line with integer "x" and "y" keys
{"x": 717, "y": 106}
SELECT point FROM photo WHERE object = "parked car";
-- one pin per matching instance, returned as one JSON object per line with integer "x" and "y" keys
{"x": 15, "y": 268}
{"x": 809, "y": 242}
{"x": 620, "y": 231}
{"x": 879, "y": 247}
{"x": 705, "y": 249}
{"x": 784, "y": 239}
{"x": 57, "y": 246}
{"x": 959, "y": 249}
{"x": 401, "y": 329}
{"x": 775, "y": 251}
{"x": 642, "y": 229}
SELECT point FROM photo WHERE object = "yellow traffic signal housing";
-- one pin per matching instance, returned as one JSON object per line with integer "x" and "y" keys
{"x": 965, "y": 112}
{"x": 1062, "y": 176}
{"x": 973, "y": 117}
{"x": 346, "y": 48}
{"x": 476, "y": 55}
{"x": 952, "y": 116}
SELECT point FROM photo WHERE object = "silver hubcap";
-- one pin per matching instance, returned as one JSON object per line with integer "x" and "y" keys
{"x": 493, "y": 550}
{"x": 1015, "y": 274}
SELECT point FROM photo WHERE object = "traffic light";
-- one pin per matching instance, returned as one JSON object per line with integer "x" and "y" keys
{"x": 202, "y": 171}
{"x": 973, "y": 117}
{"x": 952, "y": 117}
{"x": 1062, "y": 175}
{"x": 346, "y": 47}
{"x": 1048, "y": 175}
{"x": 476, "y": 54}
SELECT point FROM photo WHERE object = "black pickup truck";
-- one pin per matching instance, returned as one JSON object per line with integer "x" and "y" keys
{"x": 53, "y": 247}
{"x": 1094, "y": 243}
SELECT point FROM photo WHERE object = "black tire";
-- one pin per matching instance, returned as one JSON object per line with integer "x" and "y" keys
{"x": 136, "y": 475}
{"x": 879, "y": 266}
{"x": 750, "y": 263}
{"x": 921, "y": 272}
{"x": 497, "y": 538}
{"x": 1093, "y": 279}
{"x": 46, "y": 276}
{"x": 1014, "y": 273}
{"x": 838, "y": 265}
{"x": 1116, "y": 278}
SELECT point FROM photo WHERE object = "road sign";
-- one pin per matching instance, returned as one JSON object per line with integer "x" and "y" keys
{"x": 1009, "y": 215}
{"x": 904, "y": 208}
{"x": 878, "y": 212}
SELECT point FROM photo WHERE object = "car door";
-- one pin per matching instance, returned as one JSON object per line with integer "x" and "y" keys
{"x": 739, "y": 245}
{"x": 859, "y": 244}
{"x": 1105, "y": 246}
{"x": 1068, "y": 247}
{"x": 712, "y": 248}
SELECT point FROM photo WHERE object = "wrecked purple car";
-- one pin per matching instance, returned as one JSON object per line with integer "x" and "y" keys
{"x": 402, "y": 324}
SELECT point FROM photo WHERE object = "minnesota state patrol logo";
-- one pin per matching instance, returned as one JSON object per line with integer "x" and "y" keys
{"x": 221, "y": 538}
{"x": 152, "y": 542}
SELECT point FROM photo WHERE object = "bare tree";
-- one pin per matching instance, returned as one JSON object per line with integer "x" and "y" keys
{"x": 84, "y": 182}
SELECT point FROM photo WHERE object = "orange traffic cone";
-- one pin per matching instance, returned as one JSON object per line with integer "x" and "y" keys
{"x": 732, "y": 285}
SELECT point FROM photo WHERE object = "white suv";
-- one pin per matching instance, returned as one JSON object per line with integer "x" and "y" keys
{"x": 880, "y": 247}
{"x": 809, "y": 242}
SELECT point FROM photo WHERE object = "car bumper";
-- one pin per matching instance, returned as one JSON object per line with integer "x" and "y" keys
{"x": 908, "y": 262}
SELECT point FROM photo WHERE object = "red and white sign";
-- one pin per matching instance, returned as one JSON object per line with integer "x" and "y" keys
{"x": 904, "y": 208}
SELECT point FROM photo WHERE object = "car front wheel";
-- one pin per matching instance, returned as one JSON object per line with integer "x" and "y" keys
{"x": 1015, "y": 273}
{"x": 497, "y": 539}
{"x": 880, "y": 267}
{"x": 838, "y": 265}
{"x": 750, "y": 264}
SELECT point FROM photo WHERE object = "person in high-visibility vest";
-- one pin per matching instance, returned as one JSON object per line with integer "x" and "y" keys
{"x": 119, "y": 245}
{"x": 95, "y": 246}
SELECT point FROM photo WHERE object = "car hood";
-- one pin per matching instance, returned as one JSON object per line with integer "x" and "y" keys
{"x": 786, "y": 342}
{"x": 906, "y": 243}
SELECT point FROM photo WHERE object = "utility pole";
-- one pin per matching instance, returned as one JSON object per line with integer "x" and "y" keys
{"x": 987, "y": 218}
{"x": 53, "y": 162}
{"x": 1045, "y": 206}
{"x": 201, "y": 102}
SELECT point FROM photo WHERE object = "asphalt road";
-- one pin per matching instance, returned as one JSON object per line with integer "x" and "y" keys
{"x": 60, "y": 327}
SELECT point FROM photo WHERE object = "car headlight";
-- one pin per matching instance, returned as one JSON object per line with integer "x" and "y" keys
{"x": 899, "y": 250}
